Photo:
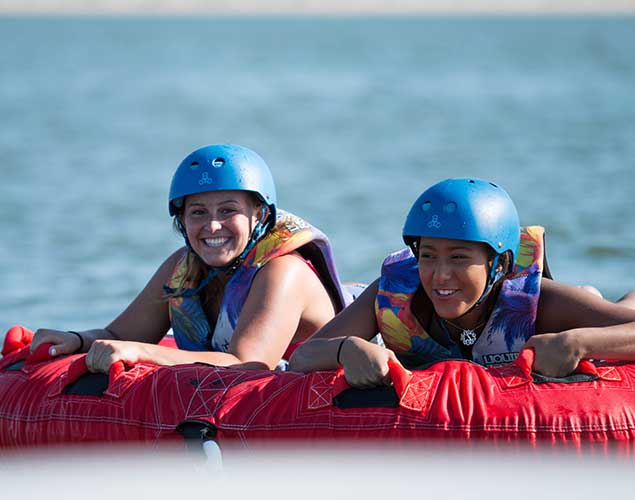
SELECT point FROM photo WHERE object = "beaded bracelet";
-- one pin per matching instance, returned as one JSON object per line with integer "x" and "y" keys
{"x": 81, "y": 340}
{"x": 339, "y": 350}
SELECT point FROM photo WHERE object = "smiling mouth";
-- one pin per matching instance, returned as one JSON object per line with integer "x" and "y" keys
{"x": 443, "y": 293}
{"x": 215, "y": 242}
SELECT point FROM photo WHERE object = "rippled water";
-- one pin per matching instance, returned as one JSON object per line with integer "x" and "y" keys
{"x": 355, "y": 117}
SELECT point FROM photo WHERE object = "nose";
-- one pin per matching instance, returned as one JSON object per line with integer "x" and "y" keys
{"x": 214, "y": 225}
{"x": 442, "y": 271}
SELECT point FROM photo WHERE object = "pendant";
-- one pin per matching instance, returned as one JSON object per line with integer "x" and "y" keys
{"x": 468, "y": 337}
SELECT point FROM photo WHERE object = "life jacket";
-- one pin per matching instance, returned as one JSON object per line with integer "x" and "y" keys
{"x": 190, "y": 326}
{"x": 511, "y": 322}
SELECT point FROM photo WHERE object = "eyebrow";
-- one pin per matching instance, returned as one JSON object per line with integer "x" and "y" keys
{"x": 230, "y": 200}
{"x": 458, "y": 247}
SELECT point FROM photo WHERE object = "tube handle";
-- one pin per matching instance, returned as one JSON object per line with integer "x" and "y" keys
{"x": 399, "y": 376}
{"x": 526, "y": 357}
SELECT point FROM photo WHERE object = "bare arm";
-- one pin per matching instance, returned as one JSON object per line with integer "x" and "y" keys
{"x": 279, "y": 296}
{"x": 358, "y": 319}
{"x": 145, "y": 319}
{"x": 563, "y": 307}
{"x": 573, "y": 324}
{"x": 365, "y": 364}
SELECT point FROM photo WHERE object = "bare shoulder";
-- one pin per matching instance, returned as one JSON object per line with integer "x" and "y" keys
{"x": 154, "y": 287}
{"x": 287, "y": 270}
{"x": 564, "y": 307}
{"x": 146, "y": 318}
{"x": 174, "y": 257}
{"x": 167, "y": 266}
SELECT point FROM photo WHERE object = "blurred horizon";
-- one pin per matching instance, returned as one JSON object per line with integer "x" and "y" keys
{"x": 309, "y": 7}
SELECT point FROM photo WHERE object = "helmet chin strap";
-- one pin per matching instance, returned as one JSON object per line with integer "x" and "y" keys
{"x": 492, "y": 279}
{"x": 258, "y": 232}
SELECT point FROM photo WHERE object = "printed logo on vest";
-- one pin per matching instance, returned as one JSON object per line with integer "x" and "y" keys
{"x": 501, "y": 358}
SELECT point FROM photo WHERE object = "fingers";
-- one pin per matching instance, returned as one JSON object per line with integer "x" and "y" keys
{"x": 367, "y": 366}
{"x": 99, "y": 357}
{"x": 63, "y": 342}
{"x": 69, "y": 345}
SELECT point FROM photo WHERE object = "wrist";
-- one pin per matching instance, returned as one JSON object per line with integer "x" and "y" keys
{"x": 81, "y": 340}
{"x": 340, "y": 347}
{"x": 576, "y": 342}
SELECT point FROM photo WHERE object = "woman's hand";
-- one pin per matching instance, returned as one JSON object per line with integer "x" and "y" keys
{"x": 63, "y": 342}
{"x": 556, "y": 354}
{"x": 104, "y": 353}
{"x": 365, "y": 364}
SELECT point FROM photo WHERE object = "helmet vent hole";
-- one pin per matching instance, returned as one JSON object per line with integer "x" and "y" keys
{"x": 471, "y": 181}
{"x": 194, "y": 165}
{"x": 426, "y": 206}
{"x": 449, "y": 207}
{"x": 218, "y": 162}
{"x": 493, "y": 184}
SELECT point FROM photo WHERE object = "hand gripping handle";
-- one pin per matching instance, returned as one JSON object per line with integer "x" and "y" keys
{"x": 525, "y": 361}
{"x": 79, "y": 368}
{"x": 399, "y": 376}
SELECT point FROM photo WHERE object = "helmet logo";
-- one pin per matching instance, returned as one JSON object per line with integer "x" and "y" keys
{"x": 218, "y": 162}
{"x": 434, "y": 222}
{"x": 204, "y": 179}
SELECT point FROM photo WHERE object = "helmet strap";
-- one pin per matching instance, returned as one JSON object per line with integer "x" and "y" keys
{"x": 494, "y": 276}
{"x": 181, "y": 228}
{"x": 259, "y": 231}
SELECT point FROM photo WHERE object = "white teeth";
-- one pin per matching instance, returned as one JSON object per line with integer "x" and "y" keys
{"x": 445, "y": 293}
{"x": 215, "y": 242}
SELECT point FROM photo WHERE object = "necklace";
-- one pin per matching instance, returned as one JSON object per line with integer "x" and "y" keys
{"x": 468, "y": 335}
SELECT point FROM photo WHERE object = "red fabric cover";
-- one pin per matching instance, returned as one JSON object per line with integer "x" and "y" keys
{"x": 449, "y": 400}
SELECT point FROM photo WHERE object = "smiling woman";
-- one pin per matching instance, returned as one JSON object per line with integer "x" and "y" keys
{"x": 251, "y": 283}
{"x": 218, "y": 224}
{"x": 469, "y": 285}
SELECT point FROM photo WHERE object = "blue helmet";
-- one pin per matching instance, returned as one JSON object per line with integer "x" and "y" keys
{"x": 221, "y": 167}
{"x": 468, "y": 210}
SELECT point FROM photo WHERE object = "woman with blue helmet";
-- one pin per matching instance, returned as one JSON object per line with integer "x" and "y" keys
{"x": 469, "y": 285}
{"x": 251, "y": 281}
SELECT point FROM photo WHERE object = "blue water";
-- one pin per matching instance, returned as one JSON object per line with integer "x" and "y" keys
{"x": 355, "y": 117}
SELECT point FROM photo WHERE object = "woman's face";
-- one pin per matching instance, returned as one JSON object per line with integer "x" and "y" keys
{"x": 453, "y": 274}
{"x": 219, "y": 224}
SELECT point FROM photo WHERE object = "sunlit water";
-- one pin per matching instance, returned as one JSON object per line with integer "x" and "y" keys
{"x": 355, "y": 117}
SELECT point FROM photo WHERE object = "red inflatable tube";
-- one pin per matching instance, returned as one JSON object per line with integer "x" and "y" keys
{"x": 51, "y": 401}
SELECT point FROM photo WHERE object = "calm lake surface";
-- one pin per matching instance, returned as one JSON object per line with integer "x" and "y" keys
{"x": 355, "y": 116}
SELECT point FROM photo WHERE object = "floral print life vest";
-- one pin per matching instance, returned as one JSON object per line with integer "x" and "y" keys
{"x": 511, "y": 323}
{"x": 189, "y": 324}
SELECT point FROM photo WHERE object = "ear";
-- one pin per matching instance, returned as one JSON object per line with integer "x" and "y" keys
{"x": 502, "y": 263}
{"x": 414, "y": 246}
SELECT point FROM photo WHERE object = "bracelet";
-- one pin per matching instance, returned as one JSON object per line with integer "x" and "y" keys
{"x": 339, "y": 350}
{"x": 81, "y": 340}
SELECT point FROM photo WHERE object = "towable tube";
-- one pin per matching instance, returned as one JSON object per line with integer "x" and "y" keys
{"x": 50, "y": 401}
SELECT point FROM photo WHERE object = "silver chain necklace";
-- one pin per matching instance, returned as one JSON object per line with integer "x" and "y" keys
{"x": 468, "y": 335}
